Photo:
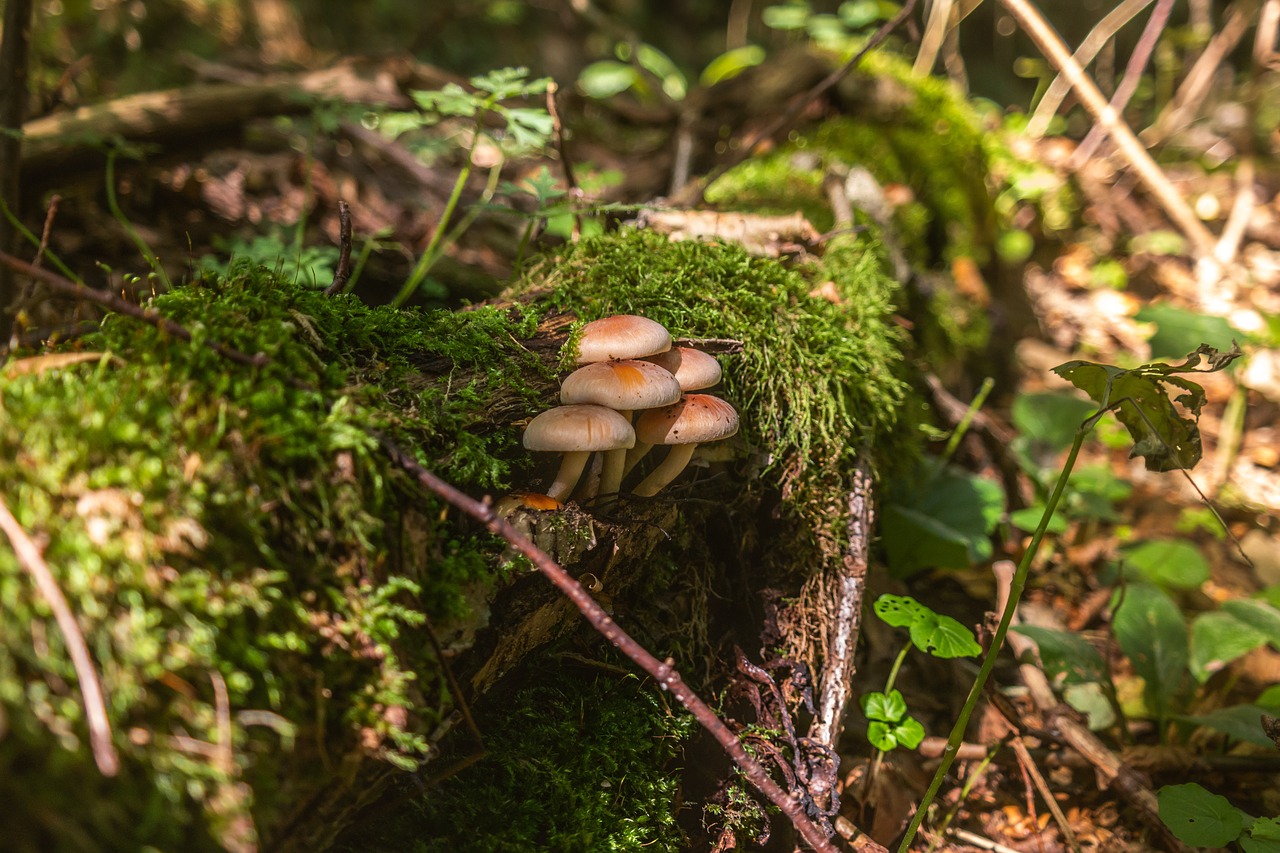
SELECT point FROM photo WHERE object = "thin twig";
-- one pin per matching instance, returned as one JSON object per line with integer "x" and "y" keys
{"x": 1199, "y": 80}
{"x": 49, "y": 216}
{"x": 1129, "y": 83}
{"x": 343, "y": 273}
{"x": 69, "y": 288}
{"x": 95, "y": 707}
{"x": 663, "y": 672}
{"x": 1093, "y": 43}
{"x": 692, "y": 193}
{"x": 1165, "y": 194}
{"x": 570, "y": 179}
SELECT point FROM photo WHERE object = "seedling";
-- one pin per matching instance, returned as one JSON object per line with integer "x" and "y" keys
{"x": 888, "y": 724}
{"x": 519, "y": 128}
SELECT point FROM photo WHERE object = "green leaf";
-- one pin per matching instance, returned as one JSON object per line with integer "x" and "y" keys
{"x": 606, "y": 78}
{"x": 1027, "y": 520}
{"x": 529, "y": 127}
{"x": 1219, "y": 638}
{"x": 1066, "y": 655}
{"x": 451, "y": 100}
{"x": 856, "y": 14}
{"x": 1050, "y": 419}
{"x": 886, "y": 736}
{"x": 1239, "y": 722}
{"x": 731, "y": 63}
{"x": 789, "y": 17}
{"x": 1179, "y": 330}
{"x": 1090, "y": 700}
{"x": 946, "y": 523}
{"x": 1198, "y": 817}
{"x": 900, "y": 611}
{"x": 660, "y": 65}
{"x": 1266, "y": 828}
{"x": 944, "y": 637}
{"x": 884, "y": 708}
{"x": 1150, "y": 630}
{"x": 1258, "y": 615}
{"x": 1168, "y": 562}
{"x": 1140, "y": 397}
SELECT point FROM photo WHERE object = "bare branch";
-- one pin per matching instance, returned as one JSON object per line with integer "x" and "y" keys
{"x": 95, "y": 707}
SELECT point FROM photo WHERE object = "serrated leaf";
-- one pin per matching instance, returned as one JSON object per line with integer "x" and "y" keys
{"x": 1150, "y": 630}
{"x": 1165, "y": 439}
{"x": 1198, "y": 817}
{"x": 1168, "y": 562}
{"x": 1219, "y": 638}
{"x": 1066, "y": 655}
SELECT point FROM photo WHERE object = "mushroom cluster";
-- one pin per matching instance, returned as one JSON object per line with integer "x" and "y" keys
{"x": 627, "y": 365}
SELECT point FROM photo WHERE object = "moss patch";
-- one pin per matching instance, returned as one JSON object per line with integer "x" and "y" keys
{"x": 204, "y": 518}
{"x": 578, "y": 759}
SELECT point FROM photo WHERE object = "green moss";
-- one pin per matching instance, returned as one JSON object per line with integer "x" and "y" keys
{"x": 203, "y": 517}
{"x": 576, "y": 760}
{"x": 818, "y": 382}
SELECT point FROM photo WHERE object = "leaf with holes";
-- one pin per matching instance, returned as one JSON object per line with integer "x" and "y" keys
{"x": 1198, "y": 817}
{"x": 1165, "y": 438}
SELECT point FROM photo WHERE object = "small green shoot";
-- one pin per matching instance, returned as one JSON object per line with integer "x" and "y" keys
{"x": 521, "y": 129}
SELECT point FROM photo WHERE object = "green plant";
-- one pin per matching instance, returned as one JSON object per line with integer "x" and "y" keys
{"x": 1163, "y": 435}
{"x": 888, "y": 724}
{"x": 518, "y": 129}
{"x": 1204, "y": 819}
{"x": 637, "y": 67}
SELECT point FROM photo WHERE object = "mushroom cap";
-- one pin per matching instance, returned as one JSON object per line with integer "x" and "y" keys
{"x": 621, "y": 336}
{"x": 695, "y": 419}
{"x": 622, "y": 385}
{"x": 579, "y": 428}
{"x": 692, "y": 368}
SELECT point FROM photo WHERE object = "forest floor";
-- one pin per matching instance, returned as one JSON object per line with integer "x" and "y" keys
{"x": 1182, "y": 703}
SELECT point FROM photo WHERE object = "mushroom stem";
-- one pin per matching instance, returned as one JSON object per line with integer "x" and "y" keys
{"x": 670, "y": 468}
{"x": 567, "y": 477}
{"x": 635, "y": 454}
{"x": 611, "y": 474}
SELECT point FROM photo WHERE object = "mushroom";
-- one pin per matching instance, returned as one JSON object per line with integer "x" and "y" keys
{"x": 620, "y": 337}
{"x": 577, "y": 431}
{"x": 695, "y": 419}
{"x": 693, "y": 369}
{"x": 622, "y": 386}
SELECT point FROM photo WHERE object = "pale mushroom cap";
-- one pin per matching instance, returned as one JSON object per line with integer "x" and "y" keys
{"x": 622, "y": 385}
{"x": 621, "y": 336}
{"x": 571, "y": 429}
{"x": 692, "y": 368}
{"x": 695, "y": 419}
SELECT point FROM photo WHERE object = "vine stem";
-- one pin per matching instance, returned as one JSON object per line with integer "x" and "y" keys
{"x": 663, "y": 672}
{"x": 997, "y": 640}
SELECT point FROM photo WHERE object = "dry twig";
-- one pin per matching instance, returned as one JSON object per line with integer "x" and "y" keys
{"x": 1177, "y": 209}
{"x": 95, "y": 707}
{"x": 343, "y": 273}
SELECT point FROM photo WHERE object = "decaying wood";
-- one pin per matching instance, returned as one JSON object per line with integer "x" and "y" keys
{"x": 843, "y": 595}
{"x": 59, "y": 140}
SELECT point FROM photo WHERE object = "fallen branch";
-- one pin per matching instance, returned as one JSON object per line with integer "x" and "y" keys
{"x": 95, "y": 708}
{"x": 661, "y": 671}
{"x": 69, "y": 288}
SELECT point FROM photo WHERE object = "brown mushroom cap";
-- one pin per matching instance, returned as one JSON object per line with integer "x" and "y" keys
{"x": 578, "y": 428}
{"x": 621, "y": 385}
{"x": 621, "y": 336}
{"x": 693, "y": 420}
{"x": 692, "y": 368}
